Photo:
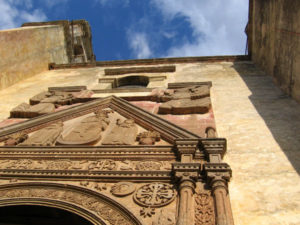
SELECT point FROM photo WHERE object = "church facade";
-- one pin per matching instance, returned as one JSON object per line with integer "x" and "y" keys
{"x": 194, "y": 140}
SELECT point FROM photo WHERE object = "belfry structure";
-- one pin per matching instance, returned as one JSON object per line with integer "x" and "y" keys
{"x": 168, "y": 141}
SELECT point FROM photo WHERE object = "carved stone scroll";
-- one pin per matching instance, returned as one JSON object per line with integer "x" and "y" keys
{"x": 44, "y": 137}
{"x": 148, "y": 165}
{"x": 148, "y": 137}
{"x": 124, "y": 133}
{"x": 154, "y": 195}
{"x": 87, "y": 131}
{"x": 122, "y": 189}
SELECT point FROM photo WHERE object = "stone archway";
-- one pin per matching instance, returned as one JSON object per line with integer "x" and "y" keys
{"x": 37, "y": 215}
{"x": 94, "y": 207}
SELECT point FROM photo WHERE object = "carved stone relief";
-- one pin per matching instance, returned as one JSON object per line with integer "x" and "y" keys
{"x": 148, "y": 137}
{"x": 148, "y": 165}
{"x": 100, "y": 208}
{"x": 122, "y": 189}
{"x": 124, "y": 133}
{"x": 204, "y": 209}
{"x": 164, "y": 218}
{"x": 54, "y": 97}
{"x": 154, "y": 195}
{"x": 87, "y": 131}
{"x": 44, "y": 137}
{"x": 15, "y": 139}
{"x": 194, "y": 99}
{"x": 25, "y": 110}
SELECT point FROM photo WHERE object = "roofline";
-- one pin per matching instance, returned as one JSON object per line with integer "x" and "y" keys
{"x": 153, "y": 61}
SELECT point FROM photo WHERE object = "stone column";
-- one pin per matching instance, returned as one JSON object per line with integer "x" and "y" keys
{"x": 218, "y": 181}
{"x": 187, "y": 174}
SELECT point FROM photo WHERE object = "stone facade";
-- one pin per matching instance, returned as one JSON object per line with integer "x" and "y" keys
{"x": 143, "y": 142}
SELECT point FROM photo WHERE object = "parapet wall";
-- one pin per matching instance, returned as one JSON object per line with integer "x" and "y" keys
{"x": 274, "y": 41}
{"x": 27, "y": 51}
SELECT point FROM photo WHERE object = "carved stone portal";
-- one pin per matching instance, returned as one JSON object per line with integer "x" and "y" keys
{"x": 124, "y": 133}
{"x": 154, "y": 195}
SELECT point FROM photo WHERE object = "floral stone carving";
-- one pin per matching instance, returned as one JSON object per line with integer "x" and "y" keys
{"x": 204, "y": 209}
{"x": 148, "y": 137}
{"x": 122, "y": 189}
{"x": 154, "y": 195}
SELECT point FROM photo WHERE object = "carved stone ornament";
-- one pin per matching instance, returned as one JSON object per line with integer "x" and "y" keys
{"x": 87, "y": 131}
{"x": 194, "y": 99}
{"x": 148, "y": 137}
{"x": 164, "y": 218}
{"x": 154, "y": 195}
{"x": 54, "y": 97}
{"x": 25, "y": 110}
{"x": 147, "y": 212}
{"x": 124, "y": 133}
{"x": 44, "y": 137}
{"x": 95, "y": 205}
{"x": 148, "y": 165}
{"x": 122, "y": 189}
{"x": 204, "y": 209}
{"x": 15, "y": 139}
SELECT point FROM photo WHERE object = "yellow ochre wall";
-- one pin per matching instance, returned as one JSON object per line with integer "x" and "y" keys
{"x": 27, "y": 51}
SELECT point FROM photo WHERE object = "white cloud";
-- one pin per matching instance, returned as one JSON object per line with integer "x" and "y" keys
{"x": 51, "y": 3}
{"x": 138, "y": 42}
{"x": 15, "y": 12}
{"x": 113, "y": 2}
{"x": 217, "y": 25}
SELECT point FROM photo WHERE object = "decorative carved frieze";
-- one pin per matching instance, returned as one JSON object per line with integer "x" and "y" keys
{"x": 147, "y": 212}
{"x": 122, "y": 189}
{"x": 148, "y": 137}
{"x": 124, "y": 133}
{"x": 204, "y": 209}
{"x": 91, "y": 165}
{"x": 154, "y": 195}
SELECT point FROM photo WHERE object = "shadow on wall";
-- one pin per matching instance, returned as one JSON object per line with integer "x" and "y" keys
{"x": 280, "y": 113}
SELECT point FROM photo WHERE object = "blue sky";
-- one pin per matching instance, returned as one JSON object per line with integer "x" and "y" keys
{"x": 129, "y": 29}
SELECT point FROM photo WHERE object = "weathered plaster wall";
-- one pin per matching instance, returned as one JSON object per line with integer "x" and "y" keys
{"x": 275, "y": 41}
{"x": 260, "y": 122}
{"x": 27, "y": 51}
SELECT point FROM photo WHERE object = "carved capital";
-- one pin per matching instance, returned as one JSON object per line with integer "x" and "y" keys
{"x": 186, "y": 174}
{"x": 186, "y": 146}
{"x": 214, "y": 146}
{"x": 218, "y": 174}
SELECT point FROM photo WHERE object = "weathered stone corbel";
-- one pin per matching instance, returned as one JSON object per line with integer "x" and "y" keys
{"x": 186, "y": 149}
{"x": 218, "y": 175}
{"x": 187, "y": 175}
{"x": 214, "y": 149}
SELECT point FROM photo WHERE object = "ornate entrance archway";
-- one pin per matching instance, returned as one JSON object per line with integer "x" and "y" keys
{"x": 94, "y": 207}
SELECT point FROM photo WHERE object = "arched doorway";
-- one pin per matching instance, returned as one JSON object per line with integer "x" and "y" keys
{"x": 37, "y": 215}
